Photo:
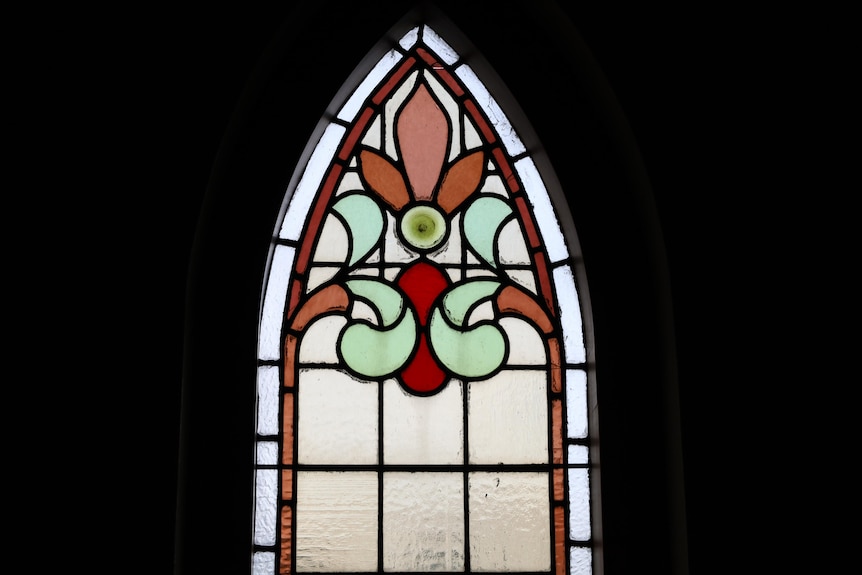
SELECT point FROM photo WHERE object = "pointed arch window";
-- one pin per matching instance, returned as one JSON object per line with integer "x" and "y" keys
{"x": 422, "y": 384}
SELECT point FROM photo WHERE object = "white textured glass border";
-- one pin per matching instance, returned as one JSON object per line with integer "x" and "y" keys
{"x": 274, "y": 298}
{"x": 492, "y": 109}
{"x": 570, "y": 315}
{"x": 371, "y": 81}
{"x": 543, "y": 210}
{"x": 307, "y": 188}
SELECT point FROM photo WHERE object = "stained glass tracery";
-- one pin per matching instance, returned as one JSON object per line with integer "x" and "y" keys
{"x": 422, "y": 388}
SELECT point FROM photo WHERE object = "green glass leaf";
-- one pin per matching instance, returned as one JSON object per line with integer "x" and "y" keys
{"x": 364, "y": 223}
{"x": 387, "y": 300}
{"x": 474, "y": 353}
{"x": 482, "y": 221}
{"x": 378, "y": 353}
{"x": 461, "y": 299}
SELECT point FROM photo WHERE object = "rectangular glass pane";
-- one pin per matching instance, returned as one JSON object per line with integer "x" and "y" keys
{"x": 423, "y": 522}
{"x": 267, "y": 453}
{"x": 581, "y": 561}
{"x": 267, "y": 400}
{"x": 570, "y": 312}
{"x": 423, "y": 430}
{"x": 579, "y": 504}
{"x": 336, "y": 521}
{"x": 306, "y": 190}
{"x": 546, "y": 218}
{"x": 265, "y": 494}
{"x": 263, "y": 563}
{"x": 509, "y": 522}
{"x": 508, "y": 418}
{"x": 576, "y": 403}
{"x": 578, "y": 454}
{"x": 269, "y": 338}
{"x": 337, "y": 418}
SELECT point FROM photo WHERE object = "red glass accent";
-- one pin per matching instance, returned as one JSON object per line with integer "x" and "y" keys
{"x": 529, "y": 227}
{"x": 423, "y": 374}
{"x": 508, "y": 175}
{"x": 394, "y": 80}
{"x": 286, "y": 528}
{"x": 441, "y": 72}
{"x": 557, "y": 430}
{"x": 560, "y": 540}
{"x": 423, "y": 283}
{"x": 544, "y": 280}
{"x": 355, "y": 133}
{"x": 486, "y": 130}
{"x": 287, "y": 430}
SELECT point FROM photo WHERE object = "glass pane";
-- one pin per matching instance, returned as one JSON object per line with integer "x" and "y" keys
{"x": 579, "y": 504}
{"x": 337, "y": 418}
{"x": 266, "y": 493}
{"x": 508, "y": 418}
{"x": 423, "y": 522}
{"x": 423, "y": 430}
{"x": 269, "y": 339}
{"x": 263, "y": 563}
{"x": 267, "y": 400}
{"x": 581, "y": 559}
{"x": 336, "y": 521}
{"x": 509, "y": 522}
{"x": 570, "y": 312}
{"x": 306, "y": 190}
{"x": 576, "y": 403}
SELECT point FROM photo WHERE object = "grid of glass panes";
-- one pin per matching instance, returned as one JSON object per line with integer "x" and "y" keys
{"x": 358, "y": 475}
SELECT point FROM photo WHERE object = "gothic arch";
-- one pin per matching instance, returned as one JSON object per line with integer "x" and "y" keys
{"x": 550, "y": 75}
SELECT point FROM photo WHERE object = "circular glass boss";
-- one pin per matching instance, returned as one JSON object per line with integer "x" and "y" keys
{"x": 423, "y": 227}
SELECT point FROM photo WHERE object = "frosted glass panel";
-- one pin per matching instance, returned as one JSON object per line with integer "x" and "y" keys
{"x": 336, "y": 521}
{"x": 578, "y": 454}
{"x": 526, "y": 346}
{"x": 581, "y": 561}
{"x": 423, "y": 430}
{"x": 509, "y": 522}
{"x": 269, "y": 338}
{"x": 319, "y": 340}
{"x": 337, "y": 418}
{"x": 423, "y": 522}
{"x": 570, "y": 312}
{"x": 508, "y": 418}
{"x": 265, "y": 493}
{"x": 579, "y": 504}
{"x": 267, "y": 453}
{"x": 543, "y": 209}
{"x": 576, "y": 403}
{"x": 267, "y": 400}
{"x": 305, "y": 191}
{"x": 263, "y": 563}
{"x": 409, "y": 38}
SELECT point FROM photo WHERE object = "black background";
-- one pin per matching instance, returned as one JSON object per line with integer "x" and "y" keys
{"x": 122, "y": 113}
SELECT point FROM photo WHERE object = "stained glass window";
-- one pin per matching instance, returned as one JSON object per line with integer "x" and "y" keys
{"x": 422, "y": 387}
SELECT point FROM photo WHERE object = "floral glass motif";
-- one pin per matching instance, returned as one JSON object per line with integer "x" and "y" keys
{"x": 422, "y": 388}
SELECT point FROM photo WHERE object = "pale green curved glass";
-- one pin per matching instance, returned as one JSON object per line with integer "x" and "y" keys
{"x": 365, "y": 222}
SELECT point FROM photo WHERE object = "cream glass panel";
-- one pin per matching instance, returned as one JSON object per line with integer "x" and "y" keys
{"x": 508, "y": 418}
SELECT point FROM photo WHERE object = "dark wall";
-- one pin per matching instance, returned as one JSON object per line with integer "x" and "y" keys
{"x": 145, "y": 101}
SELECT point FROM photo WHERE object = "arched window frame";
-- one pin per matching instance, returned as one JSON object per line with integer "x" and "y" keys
{"x": 610, "y": 203}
